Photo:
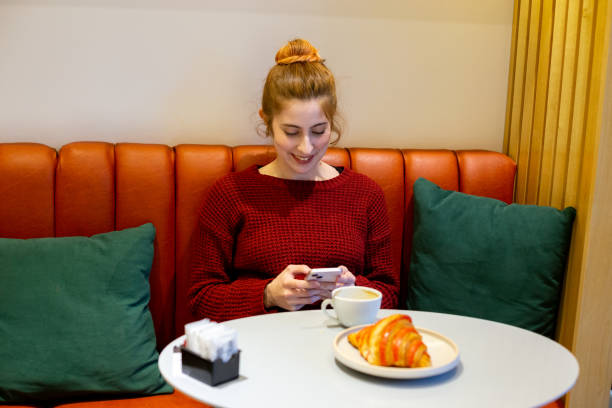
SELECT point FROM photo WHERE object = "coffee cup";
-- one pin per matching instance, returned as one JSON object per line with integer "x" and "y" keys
{"x": 354, "y": 305}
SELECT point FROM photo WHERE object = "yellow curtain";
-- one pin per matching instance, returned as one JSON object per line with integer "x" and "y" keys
{"x": 554, "y": 97}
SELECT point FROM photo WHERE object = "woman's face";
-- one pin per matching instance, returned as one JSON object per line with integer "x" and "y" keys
{"x": 301, "y": 134}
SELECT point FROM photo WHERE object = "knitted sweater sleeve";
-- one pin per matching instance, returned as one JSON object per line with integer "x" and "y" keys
{"x": 214, "y": 293}
{"x": 378, "y": 269}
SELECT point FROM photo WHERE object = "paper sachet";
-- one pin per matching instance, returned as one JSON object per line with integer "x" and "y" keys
{"x": 211, "y": 340}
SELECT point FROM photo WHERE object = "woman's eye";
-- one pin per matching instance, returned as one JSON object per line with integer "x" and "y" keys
{"x": 291, "y": 133}
{"x": 318, "y": 131}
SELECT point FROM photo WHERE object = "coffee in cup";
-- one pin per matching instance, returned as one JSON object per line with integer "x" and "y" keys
{"x": 354, "y": 305}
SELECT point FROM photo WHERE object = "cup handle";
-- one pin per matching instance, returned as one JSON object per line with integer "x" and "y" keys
{"x": 327, "y": 302}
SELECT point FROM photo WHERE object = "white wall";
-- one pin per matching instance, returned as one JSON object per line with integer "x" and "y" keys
{"x": 422, "y": 74}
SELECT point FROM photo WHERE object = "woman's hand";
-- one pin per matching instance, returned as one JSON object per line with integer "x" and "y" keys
{"x": 289, "y": 293}
{"x": 346, "y": 278}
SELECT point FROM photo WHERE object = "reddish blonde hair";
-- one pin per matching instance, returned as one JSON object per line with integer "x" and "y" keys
{"x": 299, "y": 73}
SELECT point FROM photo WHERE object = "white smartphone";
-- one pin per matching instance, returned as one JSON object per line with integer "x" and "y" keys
{"x": 324, "y": 274}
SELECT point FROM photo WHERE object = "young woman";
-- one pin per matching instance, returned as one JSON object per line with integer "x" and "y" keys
{"x": 261, "y": 230}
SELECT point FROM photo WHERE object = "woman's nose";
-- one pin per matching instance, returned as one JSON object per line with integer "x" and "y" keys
{"x": 305, "y": 146}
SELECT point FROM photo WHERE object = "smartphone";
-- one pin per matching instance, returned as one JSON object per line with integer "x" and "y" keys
{"x": 324, "y": 274}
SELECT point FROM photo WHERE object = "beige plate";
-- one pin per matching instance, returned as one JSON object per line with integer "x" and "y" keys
{"x": 443, "y": 351}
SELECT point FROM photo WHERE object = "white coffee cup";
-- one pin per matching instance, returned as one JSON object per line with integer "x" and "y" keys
{"x": 354, "y": 305}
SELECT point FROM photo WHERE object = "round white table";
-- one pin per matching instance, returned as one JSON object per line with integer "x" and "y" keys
{"x": 287, "y": 359}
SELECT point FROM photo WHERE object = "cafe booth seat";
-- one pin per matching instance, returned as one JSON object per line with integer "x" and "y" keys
{"x": 87, "y": 188}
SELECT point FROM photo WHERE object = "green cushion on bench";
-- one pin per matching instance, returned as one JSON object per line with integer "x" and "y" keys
{"x": 480, "y": 257}
{"x": 74, "y": 317}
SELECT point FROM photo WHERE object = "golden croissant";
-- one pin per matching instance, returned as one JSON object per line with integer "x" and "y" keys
{"x": 392, "y": 341}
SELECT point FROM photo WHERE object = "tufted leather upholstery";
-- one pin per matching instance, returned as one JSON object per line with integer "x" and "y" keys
{"x": 27, "y": 185}
{"x": 93, "y": 187}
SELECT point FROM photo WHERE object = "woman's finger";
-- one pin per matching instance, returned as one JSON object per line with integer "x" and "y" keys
{"x": 328, "y": 285}
{"x": 346, "y": 278}
{"x": 297, "y": 270}
{"x": 307, "y": 294}
{"x": 301, "y": 284}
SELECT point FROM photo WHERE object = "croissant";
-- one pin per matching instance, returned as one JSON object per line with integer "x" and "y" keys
{"x": 392, "y": 341}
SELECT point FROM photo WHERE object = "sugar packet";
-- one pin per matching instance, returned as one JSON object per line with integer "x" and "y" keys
{"x": 211, "y": 340}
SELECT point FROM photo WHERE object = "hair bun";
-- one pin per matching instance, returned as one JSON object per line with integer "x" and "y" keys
{"x": 297, "y": 50}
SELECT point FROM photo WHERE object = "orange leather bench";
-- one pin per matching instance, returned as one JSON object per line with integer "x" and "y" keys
{"x": 87, "y": 188}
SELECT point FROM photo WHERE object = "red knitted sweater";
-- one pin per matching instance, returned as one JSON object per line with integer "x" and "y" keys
{"x": 251, "y": 226}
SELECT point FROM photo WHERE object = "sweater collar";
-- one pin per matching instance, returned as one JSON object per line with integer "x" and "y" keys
{"x": 332, "y": 183}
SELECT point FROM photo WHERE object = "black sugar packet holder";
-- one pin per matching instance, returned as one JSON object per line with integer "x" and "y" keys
{"x": 209, "y": 372}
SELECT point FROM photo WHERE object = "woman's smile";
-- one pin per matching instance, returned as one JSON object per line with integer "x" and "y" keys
{"x": 303, "y": 159}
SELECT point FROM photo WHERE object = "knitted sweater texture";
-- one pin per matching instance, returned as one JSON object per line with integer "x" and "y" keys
{"x": 251, "y": 226}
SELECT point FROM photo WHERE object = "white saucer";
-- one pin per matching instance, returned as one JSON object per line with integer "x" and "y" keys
{"x": 443, "y": 351}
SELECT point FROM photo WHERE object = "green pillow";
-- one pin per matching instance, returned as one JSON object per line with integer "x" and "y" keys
{"x": 74, "y": 317}
{"x": 480, "y": 257}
